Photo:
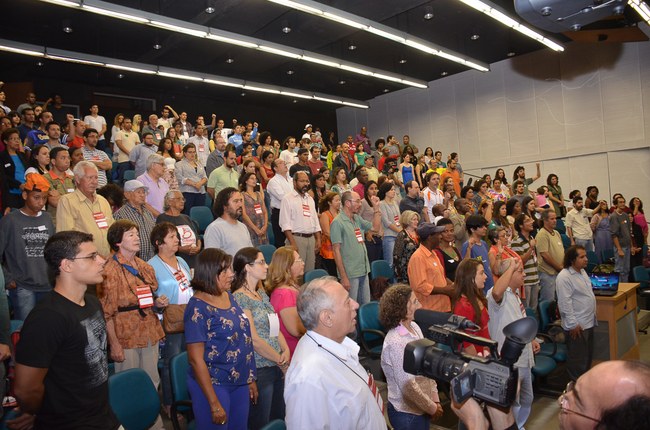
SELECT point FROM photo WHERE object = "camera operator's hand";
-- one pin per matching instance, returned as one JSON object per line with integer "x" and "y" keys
{"x": 471, "y": 414}
{"x": 438, "y": 413}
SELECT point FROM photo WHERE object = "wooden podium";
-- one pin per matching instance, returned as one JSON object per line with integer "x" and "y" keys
{"x": 615, "y": 337}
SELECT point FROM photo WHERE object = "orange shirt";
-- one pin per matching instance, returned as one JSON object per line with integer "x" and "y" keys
{"x": 426, "y": 273}
{"x": 455, "y": 176}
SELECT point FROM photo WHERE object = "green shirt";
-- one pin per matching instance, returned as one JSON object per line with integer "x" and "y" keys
{"x": 353, "y": 252}
{"x": 223, "y": 177}
{"x": 63, "y": 185}
{"x": 551, "y": 243}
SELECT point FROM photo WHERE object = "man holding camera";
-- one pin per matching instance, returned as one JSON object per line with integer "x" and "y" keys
{"x": 504, "y": 307}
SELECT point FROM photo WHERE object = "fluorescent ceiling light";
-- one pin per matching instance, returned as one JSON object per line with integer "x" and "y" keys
{"x": 641, "y": 8}
{"x": 73, "y": 60}
{"x": 115, "y": 14}
{"x": 388, "y": 78}
{"x": 292, "y": 94}
{"x": 261, "y": 89}
{"x": 23, "y": 51}
{"x": 112, "y": 63}
{"x": 158, "y": 21}
{"x": 491, "y": 10}
{"x": 178, "y": 29}
{"x": 232, "y": 41}
{"x": 356, "y": 70}
{"x": 355, "y": 105}
{"x": 414, "y": 84}
{"x": 376, "y": 28}
{"x": 277, "y": 51}
{"x": 223, "y": 83}
{"x": 321, "y": 61}
{"x": 130, "y": 69}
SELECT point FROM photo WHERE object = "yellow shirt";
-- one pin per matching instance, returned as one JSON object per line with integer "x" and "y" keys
{"x": 76, "y": 212}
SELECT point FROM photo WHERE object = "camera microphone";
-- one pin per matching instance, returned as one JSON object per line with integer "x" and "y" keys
{"x": 426, "y": 318}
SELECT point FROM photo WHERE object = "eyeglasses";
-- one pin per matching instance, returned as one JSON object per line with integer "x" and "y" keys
{"x": 260, "y": 262}
{"x": 92, "y": 256}
{"x": 562, "y": 401}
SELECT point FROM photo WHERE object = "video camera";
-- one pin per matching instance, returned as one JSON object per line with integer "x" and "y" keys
{"x": 492, "y": 379}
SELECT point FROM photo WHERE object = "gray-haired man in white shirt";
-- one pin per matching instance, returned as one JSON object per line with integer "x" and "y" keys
{"x": 326, "y": 387}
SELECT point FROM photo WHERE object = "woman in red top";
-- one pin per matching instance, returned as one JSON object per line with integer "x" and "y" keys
{"x": 470, "y": 302}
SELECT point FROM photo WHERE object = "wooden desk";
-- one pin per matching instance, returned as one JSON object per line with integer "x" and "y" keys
{"x": 615, "y": 337}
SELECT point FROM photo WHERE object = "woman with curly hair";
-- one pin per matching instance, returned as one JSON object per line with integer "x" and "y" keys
{"x": 282, "y": 285}
{"x": 470, "y": 302}
{"x": 412, "y": 400}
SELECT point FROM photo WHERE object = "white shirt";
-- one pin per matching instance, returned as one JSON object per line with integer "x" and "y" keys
{"x": 298, "y": 214}
{"x": 202, "y": 148}
{"x": 578, "y": 222}
{"x": 576, "y": 299}
{"x": 289, "y": 157}
{"x": 96, "y": 123}
{"x": 432, "y": 198}
{"x": 329, "y": 390}
{"x": 227, "y": 237}
{"x": 278, "y": 187}
{"x": 501, "y": 314}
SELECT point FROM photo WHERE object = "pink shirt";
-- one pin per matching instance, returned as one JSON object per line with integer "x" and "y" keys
{"x": 282, "y": 298}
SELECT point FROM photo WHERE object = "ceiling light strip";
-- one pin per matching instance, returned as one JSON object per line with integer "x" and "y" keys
{"x": 112, "y": 63}
{"x": 170, "y": 24}
{"x": 641, "y": 8}
{"x": 363, "y": 24}
{"x": 493, "y": 12}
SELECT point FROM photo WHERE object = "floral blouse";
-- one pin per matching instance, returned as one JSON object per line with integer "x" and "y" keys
{"x": 405, "y": 246}
{"x": 261, "y": 311}
{"x": 226, "y": 333}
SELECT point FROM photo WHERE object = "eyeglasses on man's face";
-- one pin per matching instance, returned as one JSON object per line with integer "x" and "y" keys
{"x": 563, "y": 402}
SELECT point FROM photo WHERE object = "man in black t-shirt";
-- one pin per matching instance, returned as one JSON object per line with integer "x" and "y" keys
{"x": 61, "y": 363}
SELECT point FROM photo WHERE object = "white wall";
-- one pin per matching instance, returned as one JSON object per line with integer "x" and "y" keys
{"x": 584, "y": 114}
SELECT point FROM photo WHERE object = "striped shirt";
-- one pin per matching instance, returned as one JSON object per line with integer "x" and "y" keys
{"x": 521, "y": 246}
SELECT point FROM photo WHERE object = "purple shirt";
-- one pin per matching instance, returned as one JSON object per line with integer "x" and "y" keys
{"x": 157, "y": 191}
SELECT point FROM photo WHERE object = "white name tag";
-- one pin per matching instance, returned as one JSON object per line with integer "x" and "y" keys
{"x": 42, "y": 228}
{"x": 274, "y": 325}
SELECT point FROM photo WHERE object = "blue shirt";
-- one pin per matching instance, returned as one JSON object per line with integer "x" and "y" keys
{"x": 481, "y": 251}
{"x": 226, "y": 333}
{"x": 19, "y": 173}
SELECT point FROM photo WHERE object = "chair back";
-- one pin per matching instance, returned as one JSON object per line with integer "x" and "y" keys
{"x": 369, "y": 320}
{"x": 608, "y": 255}
{"x": 134, "y": 399}
{"x": 128, "y": 175}
{"x": 592, "y": 259}
{"x": 381, "y": 268}
{"x": 560, "y": 227}
{"x": 544, "y": 318}
{"x": 267, "y": 251}
{"x": 202, "y": 216}
{"x": 642, "y": 276}
{"x": 315, "y": 274}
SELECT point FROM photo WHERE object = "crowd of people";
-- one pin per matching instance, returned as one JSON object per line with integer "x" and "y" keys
{"x": 111, "y": 211}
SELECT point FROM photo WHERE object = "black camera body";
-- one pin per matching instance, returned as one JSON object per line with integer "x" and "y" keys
{"x": 491, "y": 379}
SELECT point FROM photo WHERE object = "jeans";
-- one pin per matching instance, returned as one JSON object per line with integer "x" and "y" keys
{"x": 270, "y": 400}
{"x": 174, "y": 345}
{"x": 622, "y": 264}
{"x": 121, "y": 168}
{"x": 234, "y": 400}
{"x": 547, "y": 286}
{"x": 405, "y": 421}
{"x": 388, "y": 246}
{"x": 587, "y": 244}
{"x": 524, "y": 401}
{"x": 24, "y": 300}
{"x": 360, "y": 289}
{"x": 278, "y": 234}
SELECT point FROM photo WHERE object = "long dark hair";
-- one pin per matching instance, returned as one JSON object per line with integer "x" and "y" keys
{"x": 33, "y": 162}
{"x": 243, "y": 258}
{"x": 162, "y": 150}
{"x": 466, "y": 284}
{"x": 503, "y": 178}
{"x": 209, "y": 264}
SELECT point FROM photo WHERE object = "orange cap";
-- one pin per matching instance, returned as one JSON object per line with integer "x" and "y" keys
{"x": 36, "y": 182}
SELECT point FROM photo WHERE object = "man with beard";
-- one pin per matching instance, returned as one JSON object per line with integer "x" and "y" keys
{"x": 299, "y": 221}
{"x": 225, "y": 176}
{"x": 226, "y": 232}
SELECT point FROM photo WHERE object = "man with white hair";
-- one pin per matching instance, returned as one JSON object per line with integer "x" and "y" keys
{"x": 326, "y": 386}
{"x": 85, "y": 210}
{"x": 153, "y": 180}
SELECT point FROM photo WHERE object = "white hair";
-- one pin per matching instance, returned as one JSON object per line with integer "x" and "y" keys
{"x": 80, "y": 168}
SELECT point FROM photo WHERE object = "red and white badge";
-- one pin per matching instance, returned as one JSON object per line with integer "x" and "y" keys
{"x": 375, "y": 392}
{"x": 357, "y": 233}
{"x": 258, "y": 208}
{"x": 182, "y": 280}
{"x": 201, "y": 147}
{"x": 100, "y": 220}
{"x": 145, "y": 296}
{"x": 187, "y": 235}
{"x": 397, "y": 221}
{"x": 305, "y": 210}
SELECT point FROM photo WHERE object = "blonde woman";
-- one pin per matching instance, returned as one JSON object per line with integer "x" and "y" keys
{"x": 137, "y": 122}
{"x": 285, "y": 270}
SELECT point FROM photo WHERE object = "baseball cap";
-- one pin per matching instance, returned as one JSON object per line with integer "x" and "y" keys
{"x": 133, "y": 185}
{"x": 36, "y": 182}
